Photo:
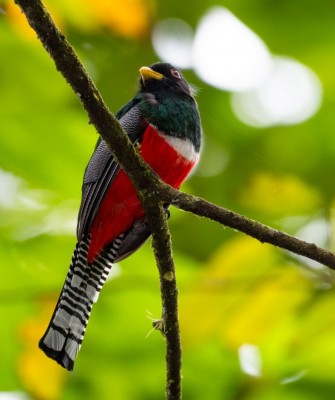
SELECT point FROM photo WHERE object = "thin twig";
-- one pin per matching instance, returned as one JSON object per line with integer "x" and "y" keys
{"x": 263, "y": 233}
{"x": 169, "y": 324}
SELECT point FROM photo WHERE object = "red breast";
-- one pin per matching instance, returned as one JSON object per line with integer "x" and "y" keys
{"x": 121, "y": 205}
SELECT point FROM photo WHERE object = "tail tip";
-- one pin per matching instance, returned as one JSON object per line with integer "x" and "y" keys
{"x": 61, "y": 357}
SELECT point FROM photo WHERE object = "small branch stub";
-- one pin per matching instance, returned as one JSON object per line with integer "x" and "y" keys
{"x": 169, "y": 276}
{"x": 159, "y": 325}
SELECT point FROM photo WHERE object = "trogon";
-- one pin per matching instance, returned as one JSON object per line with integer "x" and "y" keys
{"x": 163, "y": 120}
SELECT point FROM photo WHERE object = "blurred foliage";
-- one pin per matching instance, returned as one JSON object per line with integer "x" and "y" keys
{"x": 233, "y": 290}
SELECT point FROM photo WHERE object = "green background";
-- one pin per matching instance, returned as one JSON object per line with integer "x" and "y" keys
{"x": 233, "y": 290}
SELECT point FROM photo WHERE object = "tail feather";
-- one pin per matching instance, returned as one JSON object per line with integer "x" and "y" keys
{"x": 65, "y": 333}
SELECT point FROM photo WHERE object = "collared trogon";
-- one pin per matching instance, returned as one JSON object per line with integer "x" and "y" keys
{"x": 163, "y": 119}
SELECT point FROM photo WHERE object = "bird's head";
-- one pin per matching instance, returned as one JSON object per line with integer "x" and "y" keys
{"x": 166, "y": 101}
{"x": 162, "y": 78}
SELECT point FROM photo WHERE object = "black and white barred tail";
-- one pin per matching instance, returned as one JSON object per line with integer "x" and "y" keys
{"x": 65, "y": 333}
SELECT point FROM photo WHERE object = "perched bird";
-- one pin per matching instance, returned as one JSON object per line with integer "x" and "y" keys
{"x": 163, "y": 119}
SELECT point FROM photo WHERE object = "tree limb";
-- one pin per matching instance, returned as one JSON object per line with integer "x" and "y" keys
{"x": 169, "y": 324}
{"x": 263, "y": 233}
{"x": 152, "y": 191}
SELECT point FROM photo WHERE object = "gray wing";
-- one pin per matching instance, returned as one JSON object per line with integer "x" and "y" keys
{"x": 102, "y": 169}
{"x": 135, "y": 237}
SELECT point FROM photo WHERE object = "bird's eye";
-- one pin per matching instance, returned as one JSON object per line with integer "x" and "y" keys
{"x": 175, "y": 73}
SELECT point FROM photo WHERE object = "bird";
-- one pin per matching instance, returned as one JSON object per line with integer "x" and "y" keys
{"x": 163, "y": 122}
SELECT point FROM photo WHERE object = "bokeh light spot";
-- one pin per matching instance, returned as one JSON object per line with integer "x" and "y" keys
{"x": 172, "y": 40}
{"x": 227, "y": 54}
{"x": 291, "y": 94}
{"x": 250, "y": 359}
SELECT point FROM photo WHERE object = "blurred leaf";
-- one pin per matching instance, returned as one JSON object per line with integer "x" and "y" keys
{"x": 20, "y": 23}
{"x": 115, "y": 15}
{"x": 268, "y": 193}
{"x": 249, "y": 294}
{"x": 42, "y": 378}
{"x": 89, "y": 16}
{"x": 224, "y": 287}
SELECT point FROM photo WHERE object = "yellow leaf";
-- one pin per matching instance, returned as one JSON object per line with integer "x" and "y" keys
{"x": 244, "y": 294}
{"x": 129, "y": 18}
{"x": 42, "y": 377}
{"x": 19, "y": 21}
{"x": 274, "y": 298}
{"x": 280, "y": 195}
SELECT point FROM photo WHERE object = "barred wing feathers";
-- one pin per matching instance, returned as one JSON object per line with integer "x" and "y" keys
{"x": 102, "y": 168}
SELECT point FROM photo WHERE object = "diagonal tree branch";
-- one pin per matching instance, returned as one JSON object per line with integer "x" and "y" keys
{"x": 152, "y": 191}
{"x": 141, "y": 175}
{"x": 263, "y": 233}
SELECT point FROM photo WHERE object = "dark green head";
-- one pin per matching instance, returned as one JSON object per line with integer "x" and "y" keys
{"x": 168, "y": 103}
{"x": 163, "y": 78}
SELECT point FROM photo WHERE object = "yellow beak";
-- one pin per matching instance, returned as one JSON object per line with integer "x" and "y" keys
{"x": 147, "y": 73}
